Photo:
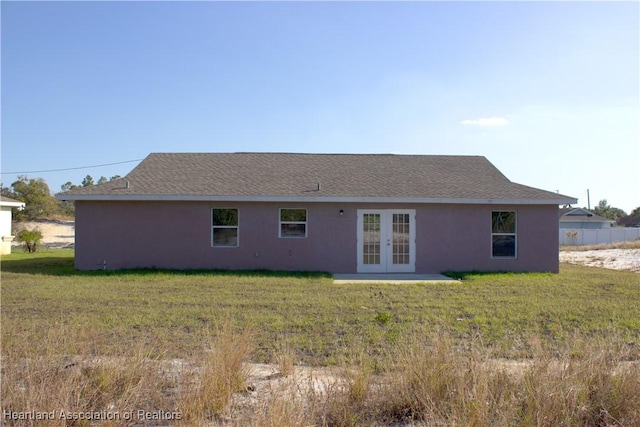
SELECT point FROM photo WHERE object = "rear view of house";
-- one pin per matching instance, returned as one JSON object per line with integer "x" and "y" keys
{"x": 340, "y": 213}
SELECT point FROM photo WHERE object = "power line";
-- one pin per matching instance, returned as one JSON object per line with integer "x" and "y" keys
{"x": 69, "y": 169}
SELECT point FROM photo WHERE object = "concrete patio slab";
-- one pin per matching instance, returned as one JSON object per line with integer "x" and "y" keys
{"x": 397, "y": 278}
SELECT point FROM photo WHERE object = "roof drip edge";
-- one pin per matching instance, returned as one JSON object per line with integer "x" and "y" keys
{"x": 314, "y": 199}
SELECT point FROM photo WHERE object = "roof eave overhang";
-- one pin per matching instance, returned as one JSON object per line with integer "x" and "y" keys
{"x": 316, "y": 199}
{"x": 13, "y": 204}
{"x": 587, "y": 220}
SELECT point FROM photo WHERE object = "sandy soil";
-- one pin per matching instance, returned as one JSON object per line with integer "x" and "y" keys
{"x": 617, "y": 259}
{"x": 55, "y": 233}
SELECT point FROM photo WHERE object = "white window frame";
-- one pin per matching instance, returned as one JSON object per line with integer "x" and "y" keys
{"x": 305, "y": 223}
{"x": 237, "y": 227}
{"x": 514, "y": 234}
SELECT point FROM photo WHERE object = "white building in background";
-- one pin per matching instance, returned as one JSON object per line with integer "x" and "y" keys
{"x": 6, "y": 204}
{"x": 583, "y": 219}
{"x": 583, "y": 227}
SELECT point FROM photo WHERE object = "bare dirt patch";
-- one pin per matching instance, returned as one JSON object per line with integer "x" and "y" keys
{"x": 616, "y": 259}
{"x": 56, "y": 233}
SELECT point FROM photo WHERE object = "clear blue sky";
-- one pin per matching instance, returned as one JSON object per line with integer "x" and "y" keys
{"x": 547, "y": 91}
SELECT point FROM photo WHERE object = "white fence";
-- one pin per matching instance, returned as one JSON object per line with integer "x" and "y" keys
{"x": 578, "y": 236}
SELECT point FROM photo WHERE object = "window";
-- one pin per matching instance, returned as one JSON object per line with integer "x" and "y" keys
{"x": 503, "y": 234}
{"x": 224, "y": 227}
{"x": 293, "y": 223}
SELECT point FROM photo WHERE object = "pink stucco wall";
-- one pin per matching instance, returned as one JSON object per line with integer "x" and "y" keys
{"x": 178, "y": 235}
{"x": 458, "y": 238}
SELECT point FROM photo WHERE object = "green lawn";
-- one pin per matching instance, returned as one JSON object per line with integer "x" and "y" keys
{"x": 172, "y": 313}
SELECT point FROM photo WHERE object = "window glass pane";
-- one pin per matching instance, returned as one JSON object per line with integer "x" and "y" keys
{"x": 503, "y": 222}
{"x": 228, "y": 217}
{"x": 504, "y": 246}
{"x": 225, "y": 236}
{"x": 293, "y": 230}
{"x": 293, "y": 215}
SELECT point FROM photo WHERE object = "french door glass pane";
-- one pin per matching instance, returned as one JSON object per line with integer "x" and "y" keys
{"x": 371, "y": 239}
{"x": 400, "y": 239}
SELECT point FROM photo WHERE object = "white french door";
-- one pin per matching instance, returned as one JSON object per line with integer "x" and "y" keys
{"x": 386, "y": 241}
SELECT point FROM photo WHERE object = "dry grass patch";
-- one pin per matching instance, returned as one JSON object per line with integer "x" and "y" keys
{"x": 439, "y": 384}
{"x": 80, "y": 384}
{"x": 222, "y": 373}
{"x": 597, "y": 388}
{"x": 422, "y": 381}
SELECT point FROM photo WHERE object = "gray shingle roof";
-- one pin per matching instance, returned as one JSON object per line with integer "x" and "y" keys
{"x": 315, "y": 177}
{"x": 580, "y": 215}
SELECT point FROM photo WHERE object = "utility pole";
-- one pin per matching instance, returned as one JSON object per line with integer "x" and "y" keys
{"x": 588, "y": 200}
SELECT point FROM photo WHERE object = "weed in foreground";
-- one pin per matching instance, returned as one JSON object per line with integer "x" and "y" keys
{"x": 285, "y": 358}
{"x": 223, "y": 372}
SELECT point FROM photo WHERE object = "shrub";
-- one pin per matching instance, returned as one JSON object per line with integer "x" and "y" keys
{"x": 30, "y": 238}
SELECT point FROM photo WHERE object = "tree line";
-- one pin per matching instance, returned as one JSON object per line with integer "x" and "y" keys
{"x": 38, "y": 199}
{"x": 40, "y": 203}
